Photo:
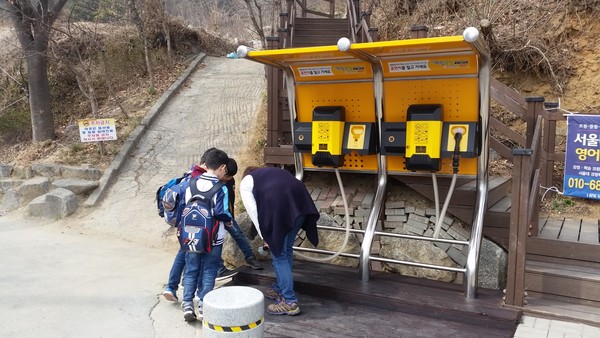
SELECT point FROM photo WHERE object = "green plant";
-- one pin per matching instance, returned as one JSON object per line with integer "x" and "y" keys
{"x": 75, "y": 147}
{"x": 261, "y": 143}
{"x": 561, "y": 203}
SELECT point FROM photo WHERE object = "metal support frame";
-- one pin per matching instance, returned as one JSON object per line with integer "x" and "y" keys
{"x": 473, "y": 38}
{"x": 482, "y": 164}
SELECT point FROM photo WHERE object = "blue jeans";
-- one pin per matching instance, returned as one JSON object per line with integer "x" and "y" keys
{"x": 200, "y": 273}
{"x": 240, "y": 238}
{"x": 282, "y": 264}
{"x": 176, "y": 271}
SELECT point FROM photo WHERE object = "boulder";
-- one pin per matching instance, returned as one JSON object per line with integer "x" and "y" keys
{"x": 416, "y": 251}
{"x": 5, "y": 170}
{"x": 76, "y": 185}
{"x": 84, "y": 172}
{"x": 58, "y": 203}
{"x": 46, "y": 169}
{"x": 32, "y": 188}
{"x": 8, "y": 183}
{"x": 10, "y": 201}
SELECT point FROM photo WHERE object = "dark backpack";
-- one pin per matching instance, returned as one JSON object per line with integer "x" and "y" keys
{"x": 198, "y": 229}
{"x": 166, "y": 206}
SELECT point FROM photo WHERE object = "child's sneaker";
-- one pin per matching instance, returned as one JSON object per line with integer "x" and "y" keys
{"x": 282, "y": 307}
{"x": 271, "y": 293}
{"x": 188, "y": 313}
{"x": 170, "y": 295}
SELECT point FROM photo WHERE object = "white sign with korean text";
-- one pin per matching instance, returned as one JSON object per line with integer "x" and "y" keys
{"x": 96, "y": 130}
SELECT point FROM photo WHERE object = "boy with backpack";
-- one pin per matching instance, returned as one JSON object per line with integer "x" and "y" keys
{"x": 170, "y": 292}
{"x": 206, "y": 265}
{"x": 201, "y": 230}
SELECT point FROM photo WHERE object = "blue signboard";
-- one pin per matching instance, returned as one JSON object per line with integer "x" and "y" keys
{"x": 582, "y": 158}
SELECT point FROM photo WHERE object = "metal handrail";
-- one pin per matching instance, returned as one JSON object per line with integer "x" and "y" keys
{"x": 482, "y": 162}
{"x": 389, "y": 260}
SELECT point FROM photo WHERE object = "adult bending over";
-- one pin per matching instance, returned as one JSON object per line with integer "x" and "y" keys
{"x": 279, "y": 206}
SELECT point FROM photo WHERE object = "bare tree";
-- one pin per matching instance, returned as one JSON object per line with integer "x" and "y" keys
{"x": 139, "y": 24}
{"x": 32, "y": 21}
{"x": 256, "y": 15}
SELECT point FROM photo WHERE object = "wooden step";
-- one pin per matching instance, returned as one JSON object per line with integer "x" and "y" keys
{"x": 568, "y": 253}
{"x": 578, "y": 284}
{"x": 550, "y": 307}
{"x": 317, "y": 31}
{"x": 320, "y": 22}
{"x": 422, "y": 297}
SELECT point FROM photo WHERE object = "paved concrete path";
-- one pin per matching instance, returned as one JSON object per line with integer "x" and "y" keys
{"x": 217, "y": 107}
{"x": 99, "y": 273}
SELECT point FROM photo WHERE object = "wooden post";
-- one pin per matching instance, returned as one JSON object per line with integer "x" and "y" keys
{"x": 548, "y": 144}
{"x": 303, "y": 6}
{"x": 418, "y": 31}
{"x": 374, "y": 33}
{"x": 519, "y": 227}
{"x": 535, "y": 106}
{"x": 332, "y": 9}
{"x": 273, "y": 108}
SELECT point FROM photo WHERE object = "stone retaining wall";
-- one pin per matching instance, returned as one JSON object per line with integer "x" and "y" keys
{"x": 46, "y": 189}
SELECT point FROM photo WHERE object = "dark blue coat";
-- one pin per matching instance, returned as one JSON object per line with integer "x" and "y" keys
{"x": 280, "y": 199}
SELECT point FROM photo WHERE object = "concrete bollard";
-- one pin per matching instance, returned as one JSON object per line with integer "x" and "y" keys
{"x": 233, "y": 311}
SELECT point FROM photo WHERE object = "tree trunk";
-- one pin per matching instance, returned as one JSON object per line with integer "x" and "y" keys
{"x": 42, "y": 119}
{"x": 32, "y": 22}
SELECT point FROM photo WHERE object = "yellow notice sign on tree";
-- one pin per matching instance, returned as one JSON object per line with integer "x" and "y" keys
{"x": 96, "y": 130}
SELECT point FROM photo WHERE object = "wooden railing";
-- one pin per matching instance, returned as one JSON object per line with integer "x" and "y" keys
{"x": 526, "y": 175}
{"x": 305, "y": 10}
{"x": 360, "y": 23}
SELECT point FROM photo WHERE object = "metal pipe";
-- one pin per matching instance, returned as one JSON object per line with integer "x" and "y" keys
{"x": 472, "y": 36}
{"x": 325, "y": 252}
{"x": 386, "y": 260}
{"x": 365, "y": 248}
{"x": 391, "y": 234}
{"x": 421, "y": 265}
{"x": 291, "y": 93}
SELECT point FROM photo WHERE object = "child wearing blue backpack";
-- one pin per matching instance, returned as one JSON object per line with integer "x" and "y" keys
{"x": 170, "y": 291}
{"x": 205, "y": 265}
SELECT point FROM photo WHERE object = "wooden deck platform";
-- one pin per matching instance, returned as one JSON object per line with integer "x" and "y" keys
{"x": 562, "y": 273}
{"x": 428, "y": 299}
{"x": 585, "y": 231}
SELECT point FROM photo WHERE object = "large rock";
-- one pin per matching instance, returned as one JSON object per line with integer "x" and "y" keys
{"x": 32, "y": 188}
{"x": 22, "y": 172}
{"x": 85, "y": 172}
{"x": 76, "y": 185}
{"x": 5, "y": 170}
{"x": 232, "y": 255}
{"x": 46, "y": 169}
{"x": 9, "y": 183}
{"x": 58, "y": 203}
{"x": 493, "y": 264}
{"x": 332, "y": 241}
{"x": 416, "y": 251}
{"x": 10, "y": 201}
